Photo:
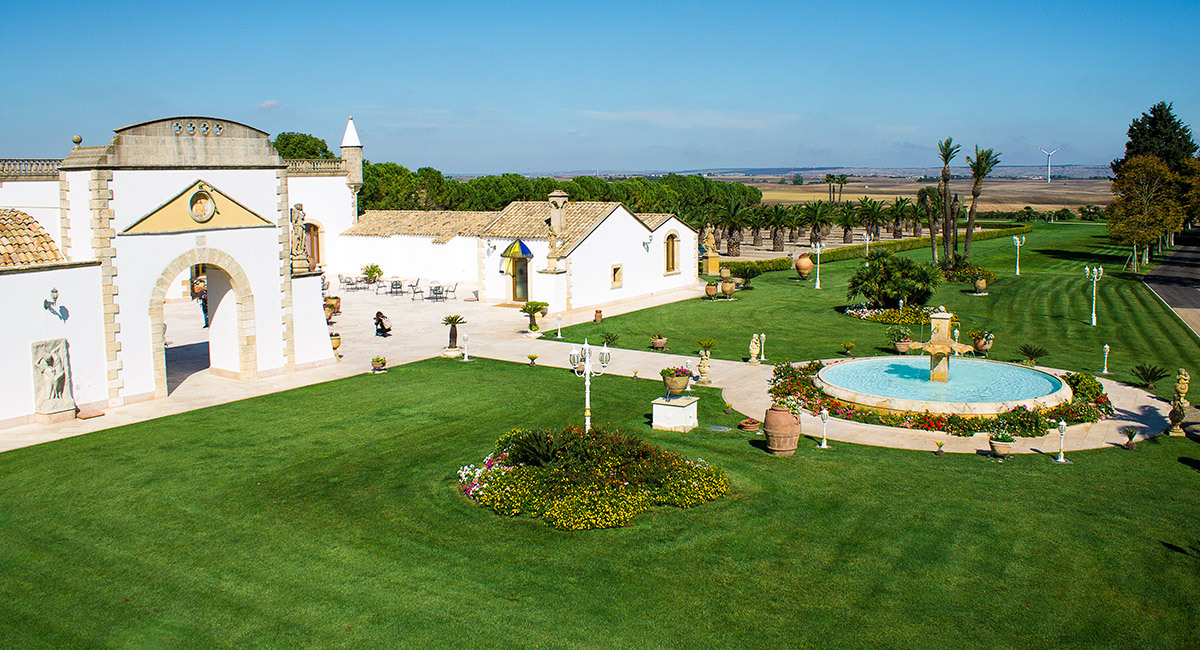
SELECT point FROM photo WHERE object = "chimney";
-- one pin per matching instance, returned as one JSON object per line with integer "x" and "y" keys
{"x": 558, "y": 201}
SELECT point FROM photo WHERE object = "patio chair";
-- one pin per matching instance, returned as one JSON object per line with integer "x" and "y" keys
{"x": 343, "y": 283}
{"x": 382, "y": 286}
{"x": 414, "y": 288}
{"x": 396, "y": 287}
{"x": 449, "y": 291}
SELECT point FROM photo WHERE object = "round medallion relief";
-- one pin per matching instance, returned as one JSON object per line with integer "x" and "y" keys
{"x": 201, "y": 206}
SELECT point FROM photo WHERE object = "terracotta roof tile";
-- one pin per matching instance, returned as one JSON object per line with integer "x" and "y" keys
{"x": 23, "y": 240}
{"x": 442, "y": 225}
{"x": 654, "y": 219}
{"x": 528, "y": 220}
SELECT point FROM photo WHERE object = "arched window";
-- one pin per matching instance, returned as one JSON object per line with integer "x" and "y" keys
{"x": 312, "y": 235}
{"x": 672, "y": 253}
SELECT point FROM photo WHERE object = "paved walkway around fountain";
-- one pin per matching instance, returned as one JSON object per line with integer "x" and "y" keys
{"x": 495, "y": 332}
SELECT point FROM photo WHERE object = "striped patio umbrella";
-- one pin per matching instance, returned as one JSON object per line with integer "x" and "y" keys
{"x": 515, "y": 250}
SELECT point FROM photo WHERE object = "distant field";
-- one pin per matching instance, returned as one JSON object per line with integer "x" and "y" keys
{"x": 999, "y": 194}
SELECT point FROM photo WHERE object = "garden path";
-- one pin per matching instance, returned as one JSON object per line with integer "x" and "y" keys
{"x": 1176, "y": 281}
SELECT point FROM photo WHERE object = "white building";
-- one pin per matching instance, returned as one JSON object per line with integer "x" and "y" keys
{"x": 603, "y": 253}
{"x": 93, "y": 245}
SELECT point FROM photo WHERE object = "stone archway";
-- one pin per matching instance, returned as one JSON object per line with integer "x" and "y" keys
{"x": 239, "y": 287}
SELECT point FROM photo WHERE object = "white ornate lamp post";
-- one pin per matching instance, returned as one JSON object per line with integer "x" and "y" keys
{"x": 1093, "y": 274}
{"x": 581, "y": 361}
{"x": 867, "y": 237}
{"x": 762, "y": 350}
{"x": 466, "y": 357}
{"x": 824, "y": 424}
{"x": 1062, "y": 434}
{"x": 559, "y": 335}
{"x": 1105, "y": 371}
{"x": 818, "y": 247}
{"x": 1018, "y": 242}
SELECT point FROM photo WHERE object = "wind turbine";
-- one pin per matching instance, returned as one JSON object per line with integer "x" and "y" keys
{"x": 1048, "y": 154}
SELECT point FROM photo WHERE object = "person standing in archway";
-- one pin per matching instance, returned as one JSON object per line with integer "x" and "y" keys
{"x": 202, "y": 296}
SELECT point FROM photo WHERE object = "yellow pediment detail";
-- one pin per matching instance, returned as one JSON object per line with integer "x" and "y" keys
{"x": 199, "y": 207}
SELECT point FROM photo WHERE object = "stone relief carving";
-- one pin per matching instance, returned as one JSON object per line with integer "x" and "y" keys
{"x": 51, "y": 376}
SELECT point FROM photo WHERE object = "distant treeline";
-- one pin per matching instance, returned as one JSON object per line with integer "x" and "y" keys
{"x": 389, "y": 186}
{"x": 1027, "y": 214}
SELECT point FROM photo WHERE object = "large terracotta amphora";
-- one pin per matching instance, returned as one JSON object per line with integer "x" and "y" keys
{"x": 804, "y": 266}
{"x": 782, "y": 429}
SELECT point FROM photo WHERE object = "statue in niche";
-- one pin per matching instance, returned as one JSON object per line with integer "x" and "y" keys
{"x": 51, "y": 377}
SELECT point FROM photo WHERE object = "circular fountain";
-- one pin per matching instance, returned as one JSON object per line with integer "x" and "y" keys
{"x": 920, "y": 384}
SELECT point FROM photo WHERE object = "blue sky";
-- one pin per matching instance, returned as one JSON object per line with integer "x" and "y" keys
{"x": 485, "y": 87}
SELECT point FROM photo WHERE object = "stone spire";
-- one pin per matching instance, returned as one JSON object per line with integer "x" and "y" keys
{"x": 352, "y": 153}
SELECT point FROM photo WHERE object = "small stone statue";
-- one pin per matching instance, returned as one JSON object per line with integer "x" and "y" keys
{"x": 299, "y": 244}
{"x": 703, "y": 367}
{"x": 755, "y": 348}
{"x": 709, "y": 243}
{"x": 1179, "y": 403}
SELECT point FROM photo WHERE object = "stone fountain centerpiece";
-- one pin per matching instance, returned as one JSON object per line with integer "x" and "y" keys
{"x": 940, "y": 345}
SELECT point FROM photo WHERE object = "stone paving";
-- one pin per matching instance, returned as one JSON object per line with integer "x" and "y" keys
{"x": 497, "y": 332}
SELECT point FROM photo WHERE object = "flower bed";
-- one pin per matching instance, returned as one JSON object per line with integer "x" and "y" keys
{"x": 910, "y": 315}
{"x": 574, "y": 480}
{"x": 793, "y": 387}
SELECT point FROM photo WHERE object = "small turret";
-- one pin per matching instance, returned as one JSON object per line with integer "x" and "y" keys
{"x": 353, "y": 155}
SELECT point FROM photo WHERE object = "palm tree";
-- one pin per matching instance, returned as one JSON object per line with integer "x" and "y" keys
{"x": 454, "y": 321}
{"x": 733, "y": 216}
{"x": 899, "y": 210}
{"x": 830, "y": 180}
{"x": 846, "y": 219}
{"x": 870, "y": 213}
{"x": 841, "y": 181}
{"x": 818, "y": 216}
{"x": 981, "y": 165}
{"x": 947, "y": 150}
{"x": 757, "y": 219}
{"x": 777, "y": 217}
{"x": 926, "y": 197}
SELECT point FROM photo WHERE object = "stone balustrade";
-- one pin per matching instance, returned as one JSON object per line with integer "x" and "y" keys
{"x": 12, "y": 169}
{"x": 316, "y": 167}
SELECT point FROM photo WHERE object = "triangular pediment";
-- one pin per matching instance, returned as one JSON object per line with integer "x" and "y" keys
{"x": 198, "y": 207}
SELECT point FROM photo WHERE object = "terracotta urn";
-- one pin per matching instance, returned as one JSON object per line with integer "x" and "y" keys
{"x": 804, "y": 266}
{"x": 782, "y": 430}
{"x": 980, "y": 285}
{"x": 658, "y": 343}
{"x": 328, "y": 313}
{"x": 598, "y": 317}
{"x": 982, "y": 345}
{"x": 711, "y": 290}
{"x": 724, "y": 273}
{"x": 902, "y": 346}
{"x": 728, "y": 287}
{"x": 751, "y": 425}
{"x": 676, "y": 385}
{"x": 377, "y": 365}
{"x": 336, "y": 341}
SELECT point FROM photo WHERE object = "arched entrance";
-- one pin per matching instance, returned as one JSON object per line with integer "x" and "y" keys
{"x": 232, "y": 351}
{"x": 312, "y": 238}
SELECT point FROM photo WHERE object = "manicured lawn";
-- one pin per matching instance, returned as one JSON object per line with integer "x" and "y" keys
{"x": 327, "y": 517}
{"x": 1048, "y": 305}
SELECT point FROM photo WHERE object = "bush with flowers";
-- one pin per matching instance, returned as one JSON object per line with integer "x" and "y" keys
{"x": 909, "y": 315}
{"x": 792, "y": 386}
{"x": 576, "y": 480}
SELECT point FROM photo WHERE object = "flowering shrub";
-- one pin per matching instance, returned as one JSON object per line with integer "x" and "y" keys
{"x": 967, "y": 273}
{"x": 793, "y": 388}
{"x": 681, "y": 371}
{"x": 910, "y": 315}
{"x": 598, "y": 479}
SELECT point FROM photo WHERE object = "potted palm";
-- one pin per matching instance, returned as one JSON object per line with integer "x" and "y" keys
{"x": 1001, "y": 443}
{"x": 533, "y": 309}
{"x": 676, "y": 379}
{"x": 900, "y": 337}
{"x": 372, "y": 272}
{"x": 453, "y": 320}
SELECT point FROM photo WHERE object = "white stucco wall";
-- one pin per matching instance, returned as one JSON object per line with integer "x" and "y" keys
{"x": 27, "y": 320}
{"x": 79, "y": 214}
{"x": 311, "y": 334}
{"x": 412, "y": 257}
{"x": 38, "y": 199}
{"x": 619, "y": 240}
{"x": 328, "y": 203}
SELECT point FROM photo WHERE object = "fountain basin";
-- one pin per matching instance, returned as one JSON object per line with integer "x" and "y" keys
{"x": 976, "y": 386}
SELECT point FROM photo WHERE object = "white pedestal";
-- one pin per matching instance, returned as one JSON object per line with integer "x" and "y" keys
{"x": 675, "y": 414}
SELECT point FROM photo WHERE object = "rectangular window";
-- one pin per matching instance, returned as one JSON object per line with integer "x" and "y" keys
{"x": 616, "y": 276}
